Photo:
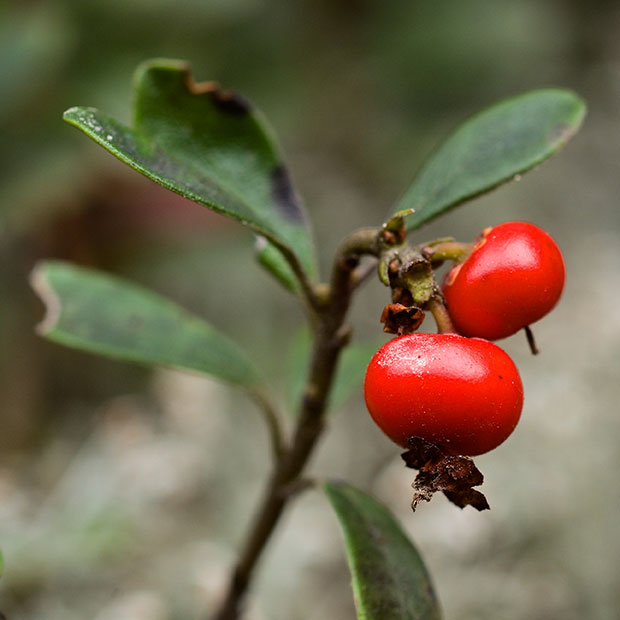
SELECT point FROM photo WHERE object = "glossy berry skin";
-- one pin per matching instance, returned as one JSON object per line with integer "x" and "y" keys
{"x": 462, "y": 394}
{"x": 512, "y": 278}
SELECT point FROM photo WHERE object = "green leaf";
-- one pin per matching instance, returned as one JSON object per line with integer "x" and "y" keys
{"x": 349, "y": 374}
{"x": 210, "y": 146}
{"x": 492, "y": 148}
{"x": 390, "y": 581}
{"x": 99, "y": 313}
{"x": 272, "y": 260}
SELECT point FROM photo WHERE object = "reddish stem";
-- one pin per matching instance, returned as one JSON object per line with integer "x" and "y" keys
{"x": 441, "y": 315}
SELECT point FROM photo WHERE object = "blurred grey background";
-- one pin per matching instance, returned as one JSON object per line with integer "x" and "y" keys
{"x": 124, "y": 492}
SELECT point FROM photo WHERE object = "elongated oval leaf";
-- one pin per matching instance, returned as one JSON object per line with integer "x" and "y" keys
{"x": 390, "y": 581}
{"x": 208, "y": 145}
{"x": 490, "y": 149}
{"x": 99, "y": 313}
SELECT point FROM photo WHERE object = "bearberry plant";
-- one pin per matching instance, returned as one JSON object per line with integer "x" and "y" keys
{"x": 442, "y": 397}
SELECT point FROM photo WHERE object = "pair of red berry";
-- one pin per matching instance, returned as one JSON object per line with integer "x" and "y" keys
{"x": 462, "y": 392}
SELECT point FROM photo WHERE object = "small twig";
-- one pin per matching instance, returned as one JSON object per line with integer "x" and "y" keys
{"x": 307, "y": 288}
{"x": 360, "y": 242}
{"x": 271, "y": 417}
{"x": 440, "y": 313}
{"x": 298, "y": 486}
{"x": 531, "y": 340}
{"x": 447, "y": 250}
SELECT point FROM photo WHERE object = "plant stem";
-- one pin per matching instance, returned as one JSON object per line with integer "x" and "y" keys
{"x": 330, "y": 336}
{"x": 362, "y": 241}
{"x": 270, "y": 415}
{"x": 441, "y": 315}
{"x": 307, "y": 290}
{"x": 448, "y": 250}
{"x": 531, "y": 341}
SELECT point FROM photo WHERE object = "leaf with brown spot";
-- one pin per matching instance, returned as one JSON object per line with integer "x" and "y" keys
{"x": 211, "y": 146}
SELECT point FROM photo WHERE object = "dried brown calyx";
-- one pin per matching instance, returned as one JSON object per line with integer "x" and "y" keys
{"x": 453, "y": 475}
{"x": 399, "y": 319}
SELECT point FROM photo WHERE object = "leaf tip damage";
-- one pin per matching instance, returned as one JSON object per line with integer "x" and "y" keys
{"x": 226, "y": 100}
{"x": 40, "y": 283}
{"x": 565, "y": 129}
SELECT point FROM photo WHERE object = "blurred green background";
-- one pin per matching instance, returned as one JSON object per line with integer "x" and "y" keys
{"x": 124, "y": 492}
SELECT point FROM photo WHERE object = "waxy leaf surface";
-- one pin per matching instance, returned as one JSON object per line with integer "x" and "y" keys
{"x": 492, "y": 148}
{"x": 210, "y": 146}
{"x": 390, "y": 581}
{"x": 102, "y": 314}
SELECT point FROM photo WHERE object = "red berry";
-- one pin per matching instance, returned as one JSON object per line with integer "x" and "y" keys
{"x": 512, "y": 278}
{"x": 462, "y": 394}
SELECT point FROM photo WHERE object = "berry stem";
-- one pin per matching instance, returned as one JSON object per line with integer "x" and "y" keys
{"x": 441, "y": 315}
{"x": 529, "y": 334}
{"x": 449, "y": 250}
{"x": 272, "y": 419}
